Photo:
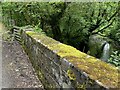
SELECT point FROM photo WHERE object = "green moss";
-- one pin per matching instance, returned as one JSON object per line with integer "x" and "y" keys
{"x": 81, "y": 86}
{"x": 71, "y": 74}
{"x": 42, "y": 38}
{"x": 30, "y": 33}
{"x": 96, "y": 69}
{"x": 65, "y": 50}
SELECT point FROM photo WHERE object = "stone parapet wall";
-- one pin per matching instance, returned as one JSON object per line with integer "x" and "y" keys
{"x": 62, "y": 66}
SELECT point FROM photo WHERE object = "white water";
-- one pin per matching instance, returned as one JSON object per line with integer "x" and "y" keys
{"x": 106, "y": 52}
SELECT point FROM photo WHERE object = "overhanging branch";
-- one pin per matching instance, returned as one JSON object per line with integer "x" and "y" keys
{"x": 101, "y": 30}
{"x": 112, "y": 16}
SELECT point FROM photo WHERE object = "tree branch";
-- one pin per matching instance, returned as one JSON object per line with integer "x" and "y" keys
{"x": 107, "y": 25}
{"x": 112, "y": 16}
{"x": 101, "y": 30}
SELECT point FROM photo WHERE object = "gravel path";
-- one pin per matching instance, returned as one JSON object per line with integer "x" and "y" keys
{"x": 17, "y": 71}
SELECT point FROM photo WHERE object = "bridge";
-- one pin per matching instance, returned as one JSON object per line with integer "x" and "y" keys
{"x": 62, "y": 66}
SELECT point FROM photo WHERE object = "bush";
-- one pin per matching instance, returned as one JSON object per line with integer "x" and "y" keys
{"x": 115, "y": 58}
{"x": 38, "y": 29}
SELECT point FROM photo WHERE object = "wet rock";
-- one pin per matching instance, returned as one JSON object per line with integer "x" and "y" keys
{"x": 96, "y": 45}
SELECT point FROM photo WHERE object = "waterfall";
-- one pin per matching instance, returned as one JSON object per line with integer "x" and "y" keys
{"x": 106, "y": 52}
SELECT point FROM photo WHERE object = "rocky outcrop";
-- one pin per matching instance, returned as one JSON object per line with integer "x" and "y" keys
{"x": 97, "y": 45}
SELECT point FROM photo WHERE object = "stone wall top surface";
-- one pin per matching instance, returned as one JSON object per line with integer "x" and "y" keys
{"x": 103, "y": 73}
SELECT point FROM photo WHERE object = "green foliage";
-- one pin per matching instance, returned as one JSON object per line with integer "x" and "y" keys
{"x": 32, "y": 13}
{"x": 115, "y": 58}
{"x": 70, "y": 23}
{"x": 81, "y": 20}
{"x": 115, "y": 35}
{"x": 37, "y": 29}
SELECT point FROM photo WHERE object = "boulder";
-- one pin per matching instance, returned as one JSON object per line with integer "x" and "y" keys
{"x": 97, "y": 45}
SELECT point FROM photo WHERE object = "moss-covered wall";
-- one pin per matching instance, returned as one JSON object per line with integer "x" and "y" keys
{"x": 62, "y": 66}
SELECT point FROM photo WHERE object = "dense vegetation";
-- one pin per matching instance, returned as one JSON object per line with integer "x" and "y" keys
{"x": 70, "y": 23}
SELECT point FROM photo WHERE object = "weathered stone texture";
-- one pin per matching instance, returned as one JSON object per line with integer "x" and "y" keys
{"x": 72, "y": 69}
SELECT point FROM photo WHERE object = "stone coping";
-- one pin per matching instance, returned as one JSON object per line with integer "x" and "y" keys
{"x": 103, "y": 73}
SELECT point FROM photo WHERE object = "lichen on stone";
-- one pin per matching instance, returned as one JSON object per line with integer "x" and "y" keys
{"x": 43, "y": 38}
{"x": 71, "y": 74}
{"x": 96, "y": 69}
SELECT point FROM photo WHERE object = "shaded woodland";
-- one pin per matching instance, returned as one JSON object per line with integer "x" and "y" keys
{"x": 75, "y": 24}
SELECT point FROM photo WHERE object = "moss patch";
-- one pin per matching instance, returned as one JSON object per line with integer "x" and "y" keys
{"x": 71, "y": 74}
{"x": 96, "y": 69}
{"x": 42, "y": 38}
